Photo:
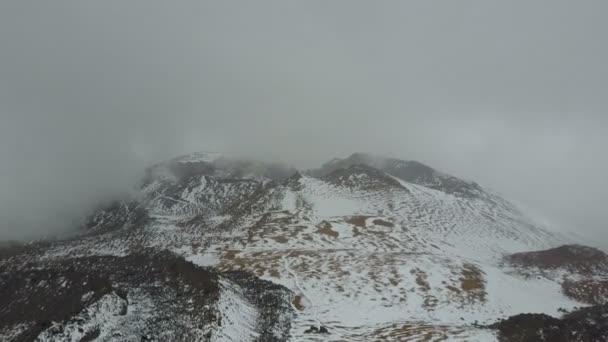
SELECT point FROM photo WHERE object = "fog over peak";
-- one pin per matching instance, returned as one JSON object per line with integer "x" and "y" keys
{"x": 510, "y": 95}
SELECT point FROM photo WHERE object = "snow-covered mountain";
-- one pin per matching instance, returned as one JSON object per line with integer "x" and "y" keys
{"x": 364, "y": 248}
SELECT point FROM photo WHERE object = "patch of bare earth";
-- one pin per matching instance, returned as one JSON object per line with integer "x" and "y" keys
{"x": 297, "y": 303}
{"x": 325, "y": 228}
{"x": 421, "y": 279}
{"x": 280, "y": 239}
{"x": 586, "y": 324}
{"x": 257, "y": 263}
{"x": 383, "y": 223}
{"x": 430, "y": 301}
{"x": 584, "y": 261}
{"x": 261, "y": 263}
{"x": 473, "y": 284}
{"x": 358, "y": 221}
{"x": 587, "y": 291}
{"x": 575, "y": 258}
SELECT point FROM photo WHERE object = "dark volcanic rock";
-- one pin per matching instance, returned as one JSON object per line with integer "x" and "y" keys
{"x": 418, "y": 173}
{"x": 317, "y": 330}
{"x": 116, "y": 216}
{"x": 312, "y": 330}
{"x": 588, "y": 324}
{"x": 574, "y": 258}
{"x": 587, "y": 268}
{"x": 589, "y": 291}
{"x": 363, "y": 177}
{"x": 38, "y": 294}
{"x": 160, "y": 295}
{"x": 409, "y": 171}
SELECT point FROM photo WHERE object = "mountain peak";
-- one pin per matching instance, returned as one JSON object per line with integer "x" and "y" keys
{"x": 362, "y": 176}
{"x": 409, "y": 171}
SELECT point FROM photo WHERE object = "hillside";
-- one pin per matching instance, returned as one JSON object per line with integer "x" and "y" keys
{"x": 363, "y": 248}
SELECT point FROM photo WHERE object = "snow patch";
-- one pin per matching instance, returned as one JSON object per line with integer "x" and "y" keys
{"x": 205, "y": 259}
{"x": 289, "y": 201}
{"x": 239, "y": 317}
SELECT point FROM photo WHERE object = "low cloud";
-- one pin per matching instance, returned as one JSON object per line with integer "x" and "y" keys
{"x": 511, "y": 95}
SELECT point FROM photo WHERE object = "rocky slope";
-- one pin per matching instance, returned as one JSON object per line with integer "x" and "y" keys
{"x": 144, "y": 296}
{"x": 370, "y": 248}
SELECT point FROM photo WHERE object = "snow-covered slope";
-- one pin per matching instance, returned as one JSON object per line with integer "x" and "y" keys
{"x": 372, "y": 248}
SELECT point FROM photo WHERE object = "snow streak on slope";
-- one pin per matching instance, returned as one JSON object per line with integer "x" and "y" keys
{"x": 239, "y": 317}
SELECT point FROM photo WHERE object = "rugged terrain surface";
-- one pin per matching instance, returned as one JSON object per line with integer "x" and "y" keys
{"x": 144, "y": 296}
{"x": 587, "y": 324}
{"x": 370, "y": 249}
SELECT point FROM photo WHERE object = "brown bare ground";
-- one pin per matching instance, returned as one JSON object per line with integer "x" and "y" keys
{"x": 472, "y": 282}
{"x": 231, "y": 254}
{"x": 297, "y": 303}
{"x": 594, "y": 292}
{"x": 421, "y": 279}
{"x": 325, "y": 228}
{"x": 257, "y": 263}
{"x": 262, "y": 262}
{"x": 280, "y": 239}
{"x": 430, "y": 301}
{"x": 576, "y": 258}
{"x": 358, "y": 221}
{"x": 383, "y": 223}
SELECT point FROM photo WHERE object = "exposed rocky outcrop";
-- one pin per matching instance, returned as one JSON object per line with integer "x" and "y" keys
{"x": 155, "y": 296}
{"x": 409, "y": 171}
{"x": 588, "y": 291}
{"x": 363, "y": 177}
{"x": 581, "y": 271}
{"x": 574, "y": 258}
{"x": 584, "y": 325}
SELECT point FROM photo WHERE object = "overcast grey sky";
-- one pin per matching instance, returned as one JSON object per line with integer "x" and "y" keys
{"x": 511, "y": 94}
